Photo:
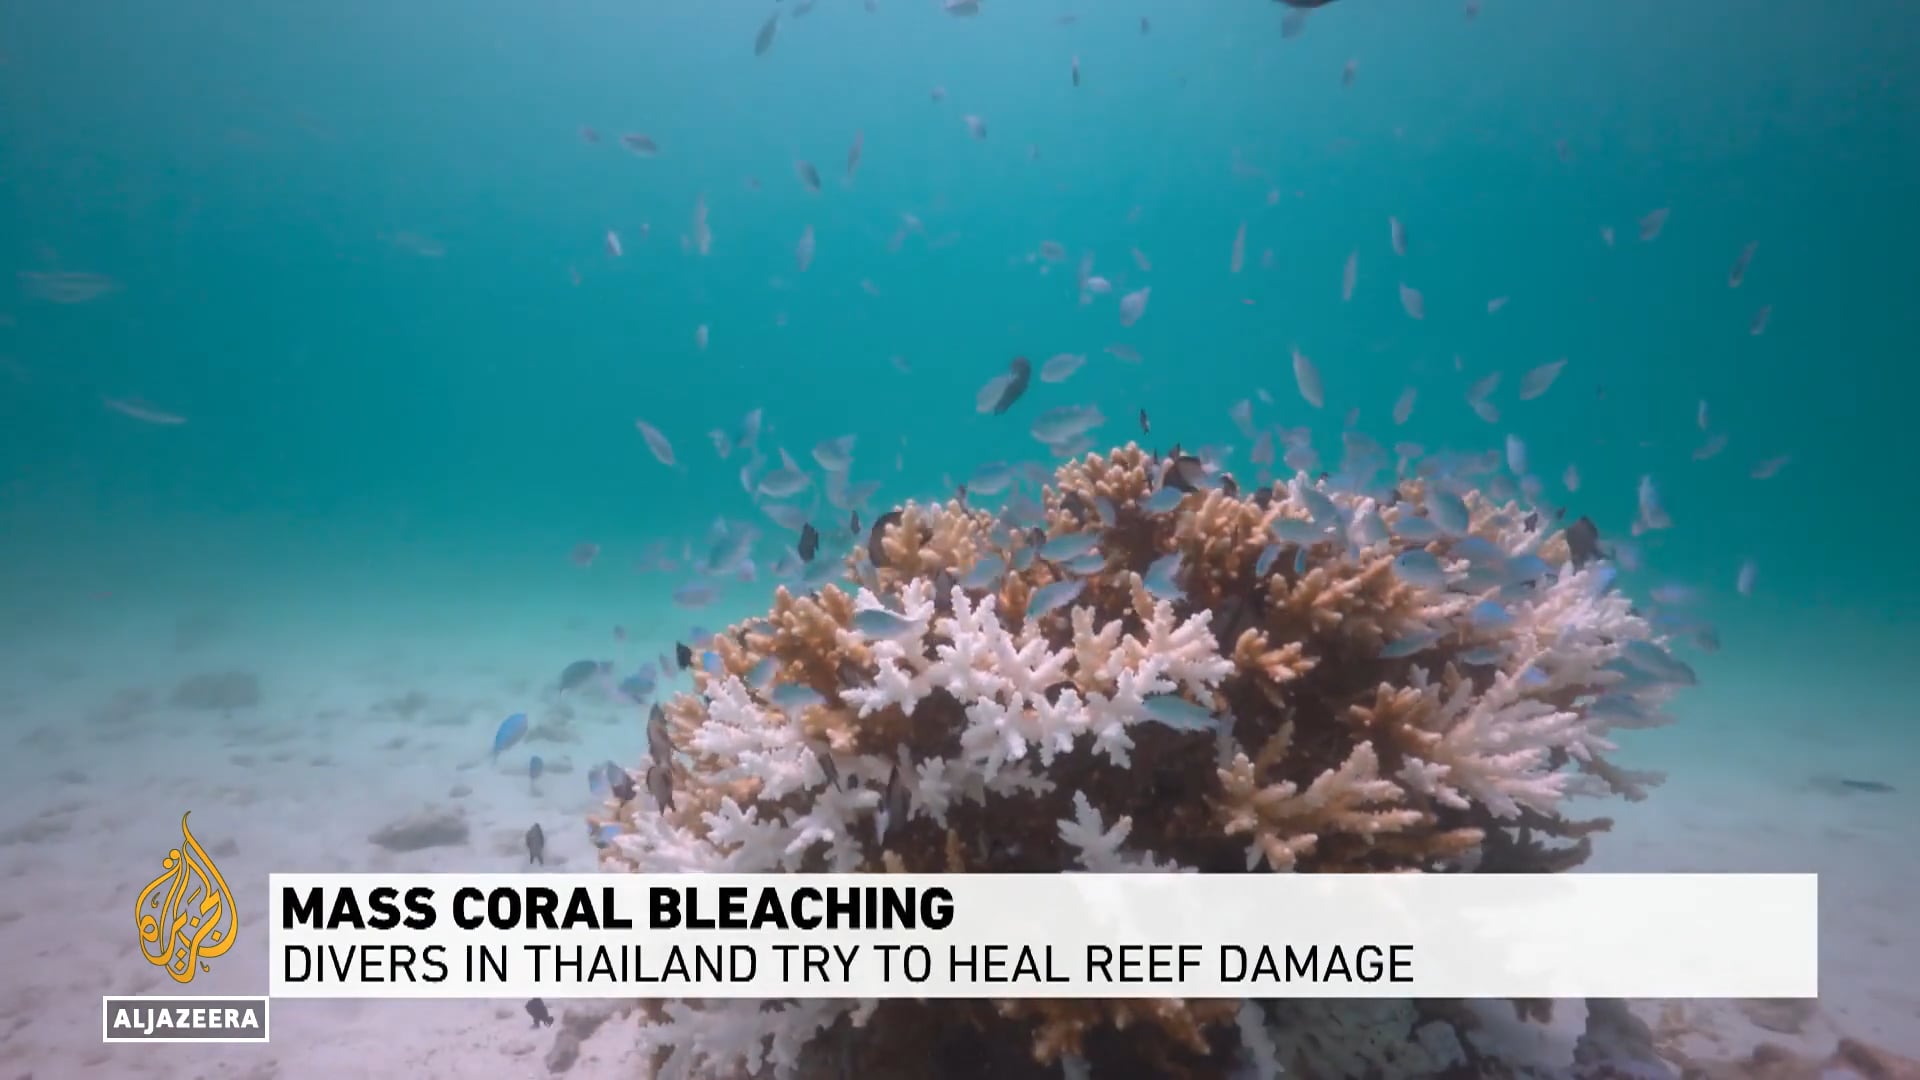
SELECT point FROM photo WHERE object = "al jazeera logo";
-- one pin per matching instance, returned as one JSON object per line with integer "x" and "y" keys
{"x": 185, "y": 918}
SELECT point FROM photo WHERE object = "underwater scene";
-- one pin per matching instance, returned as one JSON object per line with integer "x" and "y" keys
{"x": 1261, "y": 436}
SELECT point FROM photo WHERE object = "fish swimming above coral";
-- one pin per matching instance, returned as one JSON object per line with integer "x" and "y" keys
{"x": 1283, "y": 676}
{"x": 581, "y": 672}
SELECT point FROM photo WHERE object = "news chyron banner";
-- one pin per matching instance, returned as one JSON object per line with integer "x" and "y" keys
{"x": 1043, "y": 936}
{"x": 935, "y": 936}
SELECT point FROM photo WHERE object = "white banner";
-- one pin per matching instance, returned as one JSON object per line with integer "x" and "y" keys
{"x": 1044, "y": 936}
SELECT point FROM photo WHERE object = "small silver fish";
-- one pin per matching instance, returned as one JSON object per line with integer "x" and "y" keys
{"x": 1061, "y": 367}
{"x": 656, "y": 442}
{"x": 985, "y": 575}
{"x": 1163, "y": 501}
{"x": 1162, "y": 577}
{"x": 1738, "y": 273}
{"x": 783, "y": 482}
{"x": 1265, "y": 562}
{"x": 1448, "y": 511}
{"x": 804, "y": 249}
{"x": 1488, "y": 615}
{"x": 1403, "y": 408}
{"x": 1176, "y": 712}
{"x": 882, "y": 623}
{"x": 1516, "y": 455}
{"x": 1413, "y": 302}
{"x": 1409, "y": 644}
{"x": 1053, "y": 597}
{"x": 1307, "y": 378}
{"x": 1068, "y": 546}
{"x": 1652, "y": 514}
{"x": 1536, "y": 382}
{"x": 1420, "y": 567}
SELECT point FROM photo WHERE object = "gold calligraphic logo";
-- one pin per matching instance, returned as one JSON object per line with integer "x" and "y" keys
{"x": 186, "y": 915}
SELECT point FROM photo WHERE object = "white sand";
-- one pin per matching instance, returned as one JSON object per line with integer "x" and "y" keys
{"x": 91, "y": 803}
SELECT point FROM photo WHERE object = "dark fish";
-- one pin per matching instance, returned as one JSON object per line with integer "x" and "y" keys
{"x": 660, "y": 785}
{"x": 1073, "y": 504}
{"x": 960, "y": 494}
{"x": 1184, "y": 472}
{"x": 827, "y": 766}
{"x": 536, "y": 846}
{"x": 637, "y": 688}
{"x": 620, "y": 783}
{"x": 682, "y": 656}
{"x": 1020, "y": 371}
{"x": 943, "y": 583}
{"x": 1146, "y": 426}
{"x": 1873, "y": 786}
{"x": 1583, "y": 541}
{"x": 763, "y": 40}
{"x": 809, "y": 541}
{"x": 853, "y": 522}
{"x": 659, "y": 740}
{"x": 1305, "y": 3}
{"x": 893, "y": 803}
{"x": 876, "y": 552}
{"x": 538, "y": 1010}
{"x": 576, "y": 674}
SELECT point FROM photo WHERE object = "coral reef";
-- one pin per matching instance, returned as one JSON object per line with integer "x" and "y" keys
{"x": 1149, "y": 670}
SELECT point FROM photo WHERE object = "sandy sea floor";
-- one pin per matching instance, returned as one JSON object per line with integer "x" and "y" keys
{"x": 365, "y": 719}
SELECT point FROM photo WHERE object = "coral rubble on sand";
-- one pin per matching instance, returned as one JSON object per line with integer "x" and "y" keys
{"x": 1157, "y": 672}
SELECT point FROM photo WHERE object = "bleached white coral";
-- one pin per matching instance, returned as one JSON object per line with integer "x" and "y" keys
{"x": 1009, "y": 682}
{"x": 1100, "y": 849}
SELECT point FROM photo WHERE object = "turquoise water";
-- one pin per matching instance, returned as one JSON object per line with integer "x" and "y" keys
{"x": 237, "y": 175}
{"x": 411, "y": 435}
